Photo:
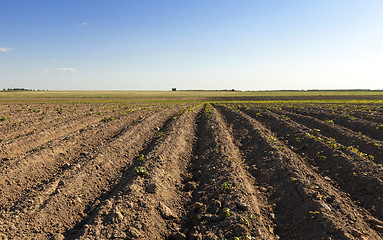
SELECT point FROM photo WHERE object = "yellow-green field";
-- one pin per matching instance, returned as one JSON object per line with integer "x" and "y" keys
{"x": 342, "y": 96}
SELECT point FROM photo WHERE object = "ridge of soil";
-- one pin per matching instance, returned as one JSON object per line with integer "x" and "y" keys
{"x": 180, "y": 171}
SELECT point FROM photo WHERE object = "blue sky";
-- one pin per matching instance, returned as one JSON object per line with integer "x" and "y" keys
{"x": 195, "y": 44}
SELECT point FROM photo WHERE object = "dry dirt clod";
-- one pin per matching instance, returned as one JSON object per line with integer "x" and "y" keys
{"x": 133, "y": 232}
{"x": 210, "y": 236}
{"x": 207, "y": 217}
{"x": 177, "y": 236}
{"x": 379, "y": 228}
{"x": 119, "y": 234}
{"x": 58, "y": 236}
{"x": 356, "y": 233}
{"x": 130, "y": 204}
{"x": 195, "y": 236}
{"x": 116, "y": 215}
{"x": 242, "y": 206}
{"x": 198, "y": 207}
{"x": 215, "y": 205}
{"x": 66, "y": 165}
{"x": 165, "y": 211}
{"x": 151, "y": 188}
{"x": 239, "y": 229}
{"x": 325, "y": 206}
{"x": 190, "y": 186}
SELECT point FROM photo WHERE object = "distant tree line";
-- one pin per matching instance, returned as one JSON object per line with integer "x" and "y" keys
{"x": 21, "y": 90}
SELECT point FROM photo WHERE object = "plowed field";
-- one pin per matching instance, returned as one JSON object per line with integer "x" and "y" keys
{"x": 191, "y": 171}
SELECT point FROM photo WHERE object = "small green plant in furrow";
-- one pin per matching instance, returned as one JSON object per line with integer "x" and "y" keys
{"x": 107, "y": 119}
{"x": 244, "y": 221}
{"x": 140, "y": 171}
{"x": 226, "y": 211}
{"x": 141, "y": 157}
{"x": 226, "y": 186}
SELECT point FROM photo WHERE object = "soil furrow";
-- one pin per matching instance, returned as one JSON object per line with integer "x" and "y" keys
{"x": 136, "y": 209}
{"x": 358, "y": 125}
{"x": 368, "y": 112}
{"x": 39, "y": 138}
{"x": 171, "y": 170}
{"x": 342, "y": 135}
{"x": 24, "y": 121}
{"x": 37, "y": 169}
{"x": 25, "y": 125}
{"x": 20, "y": 148}
{"x": 80, "y": 186}
{"x": 225, "y": 204}
{"x": 339, "y": 163}
{"x": 307, "y": 206}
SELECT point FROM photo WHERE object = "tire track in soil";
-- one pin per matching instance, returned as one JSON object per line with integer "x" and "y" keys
{"x": 306, "y": 205}
{"x": 341, "y": 165}
{"x": 151, "y": 204}
{"x": 37, "y": 169}
{"x": 63, "y": 205}
{"x": 358, "y": 125}
{"x": 343, "y": 135}
{"x": 224, "y": 200}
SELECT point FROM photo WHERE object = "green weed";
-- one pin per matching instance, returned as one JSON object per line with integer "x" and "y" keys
{"x": 140, "y": 171}
{"x": 226, "y": 186}
{"x": 141, "y": 157}
{"x": 107, "y": 119}
{"x": 226, "y": 211}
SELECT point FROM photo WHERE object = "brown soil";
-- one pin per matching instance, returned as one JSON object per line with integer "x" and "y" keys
{"x": 221, "y": 171}
{"x": 369, "y": 128}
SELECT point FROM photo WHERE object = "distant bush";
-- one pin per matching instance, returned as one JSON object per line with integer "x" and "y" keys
{"x": 20, "y": 90}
